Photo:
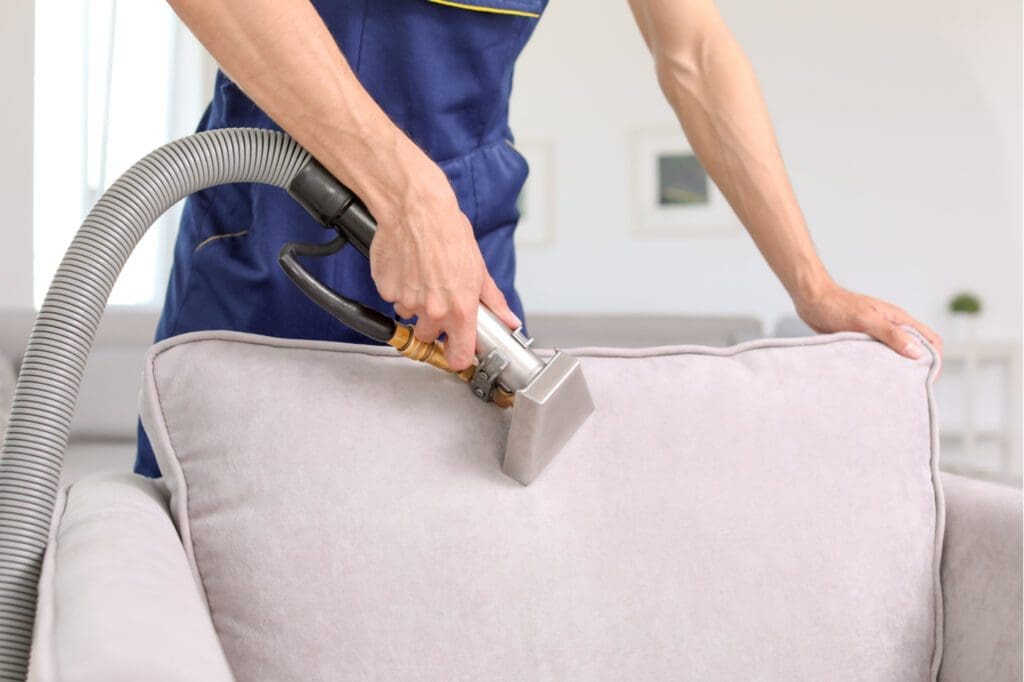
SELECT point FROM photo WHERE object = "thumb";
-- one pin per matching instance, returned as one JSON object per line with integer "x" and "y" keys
{"x": 492, "y": 297}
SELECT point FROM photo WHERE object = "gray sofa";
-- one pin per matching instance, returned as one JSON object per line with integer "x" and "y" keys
{"x": 121, "y": 596}
{"x": 114, "y": 533}
{"x": 721, "y": 555}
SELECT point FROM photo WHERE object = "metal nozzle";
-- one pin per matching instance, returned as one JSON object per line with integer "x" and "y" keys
{"x": 550, "y": 402}
{"x": 545, "y": 415}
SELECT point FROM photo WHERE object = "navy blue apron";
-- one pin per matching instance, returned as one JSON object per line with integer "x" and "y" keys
{"x": 442, "y": 70}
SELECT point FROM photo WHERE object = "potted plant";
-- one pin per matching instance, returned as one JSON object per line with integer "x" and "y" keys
{"x": 965, "y": 308}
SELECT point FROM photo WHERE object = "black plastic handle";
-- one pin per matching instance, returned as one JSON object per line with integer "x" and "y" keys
{"x": 359, "y": 317}
{"x": 333, "y": 204}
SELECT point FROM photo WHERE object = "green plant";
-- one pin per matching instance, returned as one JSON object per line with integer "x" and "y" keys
{"x": 965, "y": 303}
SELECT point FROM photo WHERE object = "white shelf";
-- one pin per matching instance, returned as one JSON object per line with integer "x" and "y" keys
{"x": 980, "y": 436}
{"x": 981, "y": 376}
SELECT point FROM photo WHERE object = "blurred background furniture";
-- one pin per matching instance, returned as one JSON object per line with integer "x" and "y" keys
{"x": 980, "y": 397}
{"x": 103, "y": 430}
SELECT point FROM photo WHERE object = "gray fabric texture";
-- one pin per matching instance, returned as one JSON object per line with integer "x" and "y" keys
{"x": 117, "y": 601}
{"x": 981, "y": 578}
{"x": 766, "y": 511}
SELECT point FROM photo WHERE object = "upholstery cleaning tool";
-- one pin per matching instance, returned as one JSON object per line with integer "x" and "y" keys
{"x": 64, "y": 330}
{"x": 549, "y": 401}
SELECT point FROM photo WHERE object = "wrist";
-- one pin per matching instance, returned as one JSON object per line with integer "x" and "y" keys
{"x": 415, "y": 185}
{"x": 394, "y": 177}
{"x": 810, "y": 286}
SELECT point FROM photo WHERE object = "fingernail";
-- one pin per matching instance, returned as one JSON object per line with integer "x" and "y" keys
{"x": 913, "y": 350}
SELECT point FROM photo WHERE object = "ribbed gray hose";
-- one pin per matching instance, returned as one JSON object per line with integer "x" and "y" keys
{"x": 62, "y": 336}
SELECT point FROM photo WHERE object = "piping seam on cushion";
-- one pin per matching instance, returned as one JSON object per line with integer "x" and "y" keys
{"x": 490, "y": 10}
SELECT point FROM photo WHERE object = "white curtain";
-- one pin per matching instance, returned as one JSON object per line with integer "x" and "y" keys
{"x": 113, "y": 80}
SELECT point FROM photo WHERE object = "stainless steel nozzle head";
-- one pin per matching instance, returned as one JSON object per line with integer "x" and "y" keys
{"x": 545, "y": 416}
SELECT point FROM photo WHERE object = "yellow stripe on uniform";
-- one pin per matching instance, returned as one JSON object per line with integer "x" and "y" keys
{"x": 480, "y": 8}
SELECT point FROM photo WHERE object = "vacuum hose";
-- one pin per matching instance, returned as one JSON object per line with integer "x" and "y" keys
{"x": 47, "y": 390}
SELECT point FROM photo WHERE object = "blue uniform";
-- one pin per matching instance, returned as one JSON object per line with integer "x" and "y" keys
{"x": 443, "y": 72}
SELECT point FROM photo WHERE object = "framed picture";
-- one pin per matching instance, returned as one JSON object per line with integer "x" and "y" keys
{"x": 672, "y": 194}
{"x": 536, "y": 201}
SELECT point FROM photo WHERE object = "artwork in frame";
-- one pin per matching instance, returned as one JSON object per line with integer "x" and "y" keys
{"x": 672, "y": 194}
{"x": 536, "y": 201}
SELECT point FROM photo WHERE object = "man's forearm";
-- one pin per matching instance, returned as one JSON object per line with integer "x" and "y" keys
{"x": 283, "y": 57}
{"x": 710, "y": 84}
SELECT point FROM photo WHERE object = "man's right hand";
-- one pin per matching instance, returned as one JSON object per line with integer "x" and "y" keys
{"x": 425, "y": 259}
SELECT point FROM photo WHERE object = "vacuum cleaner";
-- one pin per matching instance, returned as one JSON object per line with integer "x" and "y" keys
{"x": 549, "y": 399}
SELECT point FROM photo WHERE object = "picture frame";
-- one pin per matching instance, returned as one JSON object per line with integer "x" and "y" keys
{"x": 672, "y": 194}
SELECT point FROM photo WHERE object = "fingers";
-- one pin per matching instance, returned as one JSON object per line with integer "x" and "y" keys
{"x": 892, "y": 335}
{"x": 456, "y": 320}
{"x": 460, "y": 326}
{"x": 426, "y": 329}
{"x": 492, "y": 297}
{"x": 927, "y": 332}
{"x": 899, "y": 316}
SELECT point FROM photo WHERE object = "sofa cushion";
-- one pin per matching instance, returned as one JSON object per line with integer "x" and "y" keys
{"x": 765, "y": 511}
{"x": 116, "y": 597}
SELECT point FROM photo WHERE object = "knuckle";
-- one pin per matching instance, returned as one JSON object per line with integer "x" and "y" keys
{"x": 435, "y": 309}
{"x": 463, "y": 310}
{"x": 410, "y": 299}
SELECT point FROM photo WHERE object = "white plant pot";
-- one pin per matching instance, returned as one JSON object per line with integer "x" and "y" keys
{"x": 965, "y": 326}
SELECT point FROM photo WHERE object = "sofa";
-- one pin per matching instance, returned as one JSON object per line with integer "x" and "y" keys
{"x": 767, "y": 510}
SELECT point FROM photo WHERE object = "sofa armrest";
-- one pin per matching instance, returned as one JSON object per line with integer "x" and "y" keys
{"x": 117, "y": 599}
{"x": 981, "y": 582}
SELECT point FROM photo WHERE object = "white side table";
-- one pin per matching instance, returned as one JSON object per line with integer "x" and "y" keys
{"x": 978, "y": 395}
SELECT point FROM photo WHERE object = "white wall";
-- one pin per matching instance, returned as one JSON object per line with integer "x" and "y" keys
{"x": 900, "y": 124}
{"x": 16, "y": 22}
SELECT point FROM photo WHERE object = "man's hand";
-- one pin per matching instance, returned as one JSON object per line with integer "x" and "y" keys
{"x": 425, "y": 259}
{"x": 836, "y": 309}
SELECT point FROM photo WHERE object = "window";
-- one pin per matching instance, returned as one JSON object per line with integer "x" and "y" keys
{"x": 113, "y": 81}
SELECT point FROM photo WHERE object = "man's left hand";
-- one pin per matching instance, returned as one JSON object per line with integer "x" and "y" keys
{"x": 837, "y": 309}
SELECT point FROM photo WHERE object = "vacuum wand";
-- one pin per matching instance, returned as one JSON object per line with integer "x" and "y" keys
{"x": 550, "y": 400}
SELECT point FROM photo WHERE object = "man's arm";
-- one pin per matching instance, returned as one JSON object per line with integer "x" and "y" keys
{"x": 710, "y": 84}
{"x": 424, "y": 257}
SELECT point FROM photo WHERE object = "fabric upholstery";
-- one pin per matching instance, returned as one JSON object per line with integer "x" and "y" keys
{"x": 117, "y": 600}
{"x": 981, "y": 578}
{"x": 765, "y": 511}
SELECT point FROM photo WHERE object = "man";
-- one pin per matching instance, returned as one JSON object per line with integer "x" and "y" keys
{"x": 406, "y": 102}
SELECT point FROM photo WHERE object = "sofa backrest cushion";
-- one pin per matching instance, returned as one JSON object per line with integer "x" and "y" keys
{"x": 765, "y": 511}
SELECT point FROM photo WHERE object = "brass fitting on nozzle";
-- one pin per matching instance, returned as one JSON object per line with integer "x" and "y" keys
{"x": 432, "y": 353}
